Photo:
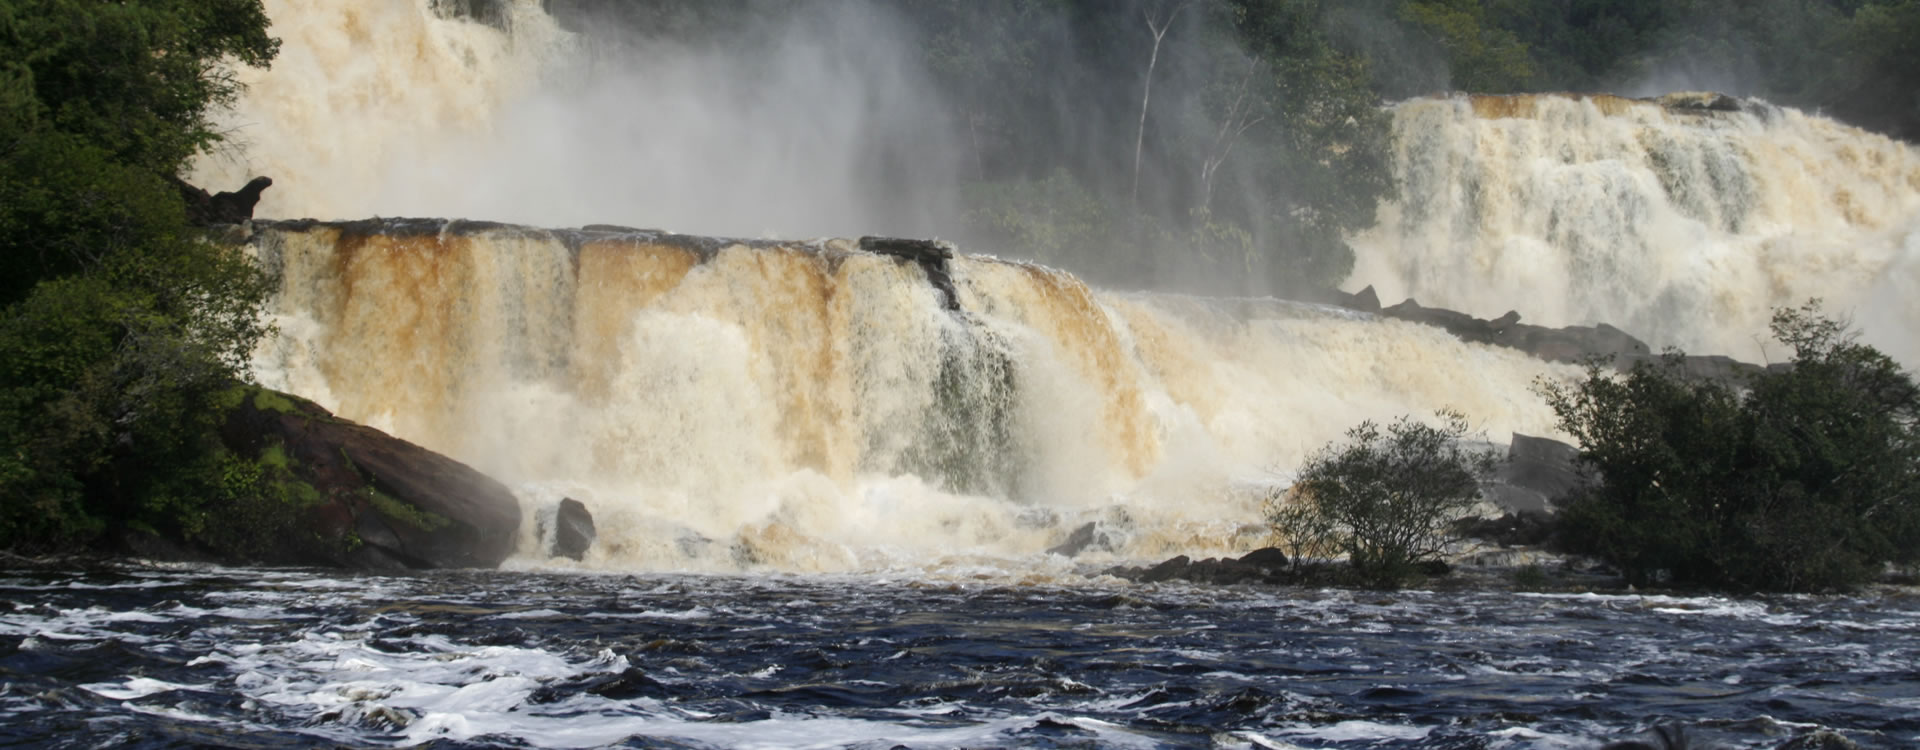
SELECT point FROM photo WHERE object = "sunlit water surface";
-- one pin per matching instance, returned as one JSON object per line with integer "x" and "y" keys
{"x": 283, "y": 658}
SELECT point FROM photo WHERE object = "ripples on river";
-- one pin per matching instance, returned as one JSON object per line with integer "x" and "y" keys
{"x": 277, "y": 658}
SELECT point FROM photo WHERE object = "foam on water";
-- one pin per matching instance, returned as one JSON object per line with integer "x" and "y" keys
{"x": 856, "y": 661}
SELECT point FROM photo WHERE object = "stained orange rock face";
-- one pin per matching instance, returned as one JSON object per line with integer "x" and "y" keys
{"x": 1498, "y": 106}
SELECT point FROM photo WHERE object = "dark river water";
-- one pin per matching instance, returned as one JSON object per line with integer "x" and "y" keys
{"x": 230, "y": 657}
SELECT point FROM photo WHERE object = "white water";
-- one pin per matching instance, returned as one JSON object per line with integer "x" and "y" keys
{"x": 802, "y": 408}
{"x": 787, "y": 407}
{"x": 1682, "y": 227}
{"x": 383, "y": 108}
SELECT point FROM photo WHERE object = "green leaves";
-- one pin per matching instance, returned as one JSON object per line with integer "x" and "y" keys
{"x": 1484, "y": 57}
{"x": 137, "y": 79}
{"x": 118, "y": 323}
{"x": 1386, "y": 498}
{"x": 1808, "y": 479}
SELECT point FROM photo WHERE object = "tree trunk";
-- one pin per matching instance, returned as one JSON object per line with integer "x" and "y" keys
{"x": 1159, "y": 32}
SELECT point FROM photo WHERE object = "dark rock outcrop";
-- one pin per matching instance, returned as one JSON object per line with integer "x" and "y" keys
{"x": 1266, "y": 565}
{"x": 1076, "y": 542}
{"x": 1522, "y": 529}
{"x": 930, "y": 255}
{"x": 1266, "y": 558}
{"x": 571, "y": 528}
{"x": 370, "y": 500}
{"x": 1571, "y": 344}
{"x": 1366, "y": 300}
{"x": 236, "y": 207}
{"x": 1092, "y": 535}
{"x": 1537, "y": 472}
{"x": 493, "y": 13}
{"x": 221, "y": 208}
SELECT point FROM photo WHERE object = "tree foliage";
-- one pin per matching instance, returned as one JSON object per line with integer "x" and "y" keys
{"x": 1848, "y": 58}
{"x": 119, "y": 323}
{"x": 1385, "y": 498}
{"x": 1807, "y": 479}
{"x": 1223, "y": 141}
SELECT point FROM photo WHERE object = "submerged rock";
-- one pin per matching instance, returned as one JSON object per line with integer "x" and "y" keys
{"x": 1824, "y": 739}
{"x": 366, "y": 499}
{"x": 1661, "y": 737}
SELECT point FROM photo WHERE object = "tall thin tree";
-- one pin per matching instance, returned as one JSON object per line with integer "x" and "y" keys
{"x": 1159, "y": 31}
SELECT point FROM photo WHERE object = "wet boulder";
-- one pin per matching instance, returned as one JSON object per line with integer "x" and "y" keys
{"x": 1266, "y": 558}
{"x": 932, "y": 256}
{"x": 567, "y": 529}
{"x": 1225, "y": 572}
{"x": 1823, "y": 739}
{"x": 1668, "y": 736}
{"x": 363, "y": 498}
{"x": 1168, "y": 570}
{"x": 1076, "y": 542}
{"x": 1268, "y": 565}
{"x": 1537, "y": 472}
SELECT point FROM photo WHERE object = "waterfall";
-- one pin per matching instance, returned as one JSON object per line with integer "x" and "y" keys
{"x": 1684, "y": 220}
{"x": 403, "y": 108}
{"x": 812, "y": 406}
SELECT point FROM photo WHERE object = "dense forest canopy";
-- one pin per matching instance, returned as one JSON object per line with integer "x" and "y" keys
{"x": 120, "y": 324}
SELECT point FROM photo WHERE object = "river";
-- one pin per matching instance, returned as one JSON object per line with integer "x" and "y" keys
{"x": 239, "y": 657}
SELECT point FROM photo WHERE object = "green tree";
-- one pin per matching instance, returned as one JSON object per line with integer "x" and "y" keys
{"x": 1873, "y": 83}
{"x": 1322, "y": 164}
{"x": 99, "y": 102}
{"x": 119, "y": 323}
{"x": 1807, "y": 479}
{"x": 1217, "y": 144}
{"x": 1483, "y": 57}
{"x": 1386, "y": 498}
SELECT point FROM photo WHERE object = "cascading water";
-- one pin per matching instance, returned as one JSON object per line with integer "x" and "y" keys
{"x": 1684, "y": 220}
{"x": 807, "y": 406}
{"x": 778, "y": 406}
{"x": 812, "y": 406}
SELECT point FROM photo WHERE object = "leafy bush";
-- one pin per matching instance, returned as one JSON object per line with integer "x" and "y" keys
{"x": 1386, "y": 499}
{"x": 1807, "y": 479}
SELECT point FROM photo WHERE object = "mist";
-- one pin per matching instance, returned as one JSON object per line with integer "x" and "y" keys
{"x": 812, "y": 122}
{"x": 999, "y": 125}
{"x": 815, "y": 122}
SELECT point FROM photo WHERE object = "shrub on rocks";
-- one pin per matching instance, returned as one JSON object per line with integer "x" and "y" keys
{"x": 1805, "y": 479}
{"x": 1387, "y": 498}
